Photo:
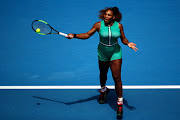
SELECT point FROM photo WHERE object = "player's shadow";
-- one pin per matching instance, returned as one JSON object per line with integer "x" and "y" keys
{"x": 111, "y": 100}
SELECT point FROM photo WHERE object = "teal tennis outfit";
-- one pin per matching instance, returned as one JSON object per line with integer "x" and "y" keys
{"x": 108, "y": 48}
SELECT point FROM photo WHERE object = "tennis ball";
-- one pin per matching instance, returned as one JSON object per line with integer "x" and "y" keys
{"x": 38, "y": 30}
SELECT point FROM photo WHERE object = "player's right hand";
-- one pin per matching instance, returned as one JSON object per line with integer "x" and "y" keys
{"x": 70, "y": 36}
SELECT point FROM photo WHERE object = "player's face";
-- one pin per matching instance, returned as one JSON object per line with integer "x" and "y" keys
{"x": 108, "y": 16}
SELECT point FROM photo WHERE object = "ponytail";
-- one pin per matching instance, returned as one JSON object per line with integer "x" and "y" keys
{"x": 118, "y": 15}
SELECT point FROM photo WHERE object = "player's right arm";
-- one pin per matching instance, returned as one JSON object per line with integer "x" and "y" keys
{"x": 96, "y": 27}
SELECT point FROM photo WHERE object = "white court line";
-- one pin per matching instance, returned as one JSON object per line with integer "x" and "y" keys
{"x": 93, "y": 87}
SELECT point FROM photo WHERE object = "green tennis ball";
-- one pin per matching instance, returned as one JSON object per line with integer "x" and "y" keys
{"x": 38, "y": 30}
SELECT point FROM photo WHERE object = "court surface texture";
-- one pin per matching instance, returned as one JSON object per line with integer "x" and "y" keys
{"x": 52, "y": 77}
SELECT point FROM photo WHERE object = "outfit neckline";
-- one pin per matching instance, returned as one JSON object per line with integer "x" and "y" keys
{"x": 108, "y": 25}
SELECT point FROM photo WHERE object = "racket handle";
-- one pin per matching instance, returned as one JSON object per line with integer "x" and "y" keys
{"x": 63, "y": 34}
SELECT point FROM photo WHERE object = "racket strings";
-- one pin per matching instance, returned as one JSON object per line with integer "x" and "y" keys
{"x": 44, "y": 28}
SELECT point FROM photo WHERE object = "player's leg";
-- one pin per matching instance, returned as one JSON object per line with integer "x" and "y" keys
{"x": 115, "y": 66}
{"x": 103, "y": 67}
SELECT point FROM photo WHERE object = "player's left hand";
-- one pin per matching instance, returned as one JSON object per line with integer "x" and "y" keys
{"x": 133, "y": 46}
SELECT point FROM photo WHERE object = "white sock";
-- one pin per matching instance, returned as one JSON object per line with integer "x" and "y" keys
{"x": 103, "y": 89}
{"x": 120, "y": 100}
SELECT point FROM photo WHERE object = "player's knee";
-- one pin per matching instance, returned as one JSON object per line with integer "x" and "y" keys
{"x": 103, "y": 73}
{"x": 117, "y": 78}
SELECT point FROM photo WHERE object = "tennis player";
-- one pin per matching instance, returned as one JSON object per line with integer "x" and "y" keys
{"x": 109, "y": 51}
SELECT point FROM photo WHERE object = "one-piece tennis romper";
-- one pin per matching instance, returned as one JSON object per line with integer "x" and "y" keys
{"x": 108, "y": 48}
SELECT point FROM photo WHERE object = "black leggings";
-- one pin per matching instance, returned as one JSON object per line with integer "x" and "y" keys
{"x": 115, "y": 67}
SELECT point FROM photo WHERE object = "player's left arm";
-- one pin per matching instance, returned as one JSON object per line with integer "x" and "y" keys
{"x": 125, "y": 40}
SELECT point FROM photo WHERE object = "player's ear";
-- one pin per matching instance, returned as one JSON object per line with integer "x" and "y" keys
{"x": 114, "y": 17}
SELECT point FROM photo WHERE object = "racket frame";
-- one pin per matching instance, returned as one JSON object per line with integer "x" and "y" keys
{"x": 57, "y": 32}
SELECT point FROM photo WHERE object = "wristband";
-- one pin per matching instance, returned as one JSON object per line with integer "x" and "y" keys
{"x": 74, "y": 35}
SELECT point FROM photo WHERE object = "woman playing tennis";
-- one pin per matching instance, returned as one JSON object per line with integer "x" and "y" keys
{"x": 109, "y": 51}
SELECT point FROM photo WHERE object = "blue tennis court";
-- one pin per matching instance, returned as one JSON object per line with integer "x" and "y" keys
{"x": 29, "y": 59}
{"x": 82, "y": 104}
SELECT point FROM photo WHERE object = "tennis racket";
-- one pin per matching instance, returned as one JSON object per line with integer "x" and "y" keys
{"x": 43, "y": 28}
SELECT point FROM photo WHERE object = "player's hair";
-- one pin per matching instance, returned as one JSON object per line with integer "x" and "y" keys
{"x": 118, "y": 15}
